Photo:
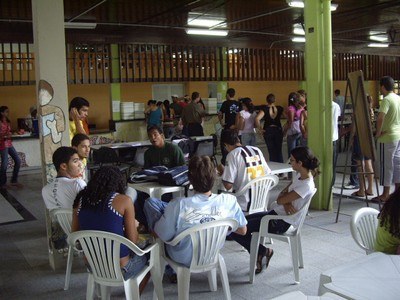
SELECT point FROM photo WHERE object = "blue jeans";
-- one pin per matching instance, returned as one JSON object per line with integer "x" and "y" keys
{"x": 135, "y": 264}
{"x": 4, "y": 162}
{"x": 292, "y": 142}
{"x": 249, "y": 139}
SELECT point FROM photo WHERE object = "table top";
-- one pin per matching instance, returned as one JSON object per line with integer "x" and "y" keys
{"x": 145, "y": 143}
{"x": 278, "y": 168}
{"x": 375, "y": 276}
{"x": 154, "y": 189}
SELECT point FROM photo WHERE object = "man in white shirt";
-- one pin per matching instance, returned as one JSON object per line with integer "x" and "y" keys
{"x": 243, "y": 163}
{"x": 339, "y": 99}
{"x": 336, "y": 112}
{"x": 62, "y": 192}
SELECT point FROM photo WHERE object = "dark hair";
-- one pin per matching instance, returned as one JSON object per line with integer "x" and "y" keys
{"x": 229, "y": 136}
{"x": 78, "y": 138}
{"x": 337, "y": 92}
{"x": 159, "y": 103}
{"x": 302, "y": 93}
{"x": 167, "y": 109}
{"x": 195, "y": 95}
{"x": 78, "y": 103}
{"x": 231, "y": 92}
{"x": 62, "y": 155}
{"x": 151, "y": 102}
{"x": 201, "y": 173}
{"x": 3, "y": 109}
{"x": 387, "y": 82}
{"x": 390, "y": 214}
{"x": 270, "y": 98}
{"x": 104, "y": 183}
{"x": 249, "y": 104}
{"x": 155, "y": 127}
{"x": 293, "y": 99}
{"x": 305, "y": 155}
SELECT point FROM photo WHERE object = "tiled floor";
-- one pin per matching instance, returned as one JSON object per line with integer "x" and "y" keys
{"x": 25, "y": 272}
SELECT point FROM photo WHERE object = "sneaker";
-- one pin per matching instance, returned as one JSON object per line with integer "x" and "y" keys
{"x": 350, "y": 187}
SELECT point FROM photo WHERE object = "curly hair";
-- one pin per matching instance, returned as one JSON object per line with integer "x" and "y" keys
{"x": 104, "y": 183}
{"x": 390, "y": 214}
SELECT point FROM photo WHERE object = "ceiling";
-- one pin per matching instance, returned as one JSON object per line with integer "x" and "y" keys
{"x": 251, "y": 23}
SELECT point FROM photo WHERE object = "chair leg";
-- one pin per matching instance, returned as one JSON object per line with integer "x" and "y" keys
{"x": 69, "y": 267}
{"x": 183, "y": 275}
{"x": 105, "y": 292}
{"x": 212, "y": 280}
{"x": 224, "y": 277}
{"x": 131, "y": 288}
{"x": 90, "y": 287}
{"x": 255, "y": 241}
{"x": 157, "y": 283}
{"x": 295, "y": 261}
{"x": 300, "y": 252}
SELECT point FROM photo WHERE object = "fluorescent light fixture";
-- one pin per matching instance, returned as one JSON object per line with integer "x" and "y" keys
{"x": 300, "y": 4}
{"x": 378, "y": 45}
{"x": 299, "y": 39}
{"x": 298, "y": 29}
{"x": 79, "y": 25}
{"x": 379, "y": 36}
{"x": 207, "y": 32}
{"x": 201, "y": 22}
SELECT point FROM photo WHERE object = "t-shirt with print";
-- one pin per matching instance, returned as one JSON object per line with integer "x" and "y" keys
{"x": 170, "y": 156}
{"x": 238, "y": 172}
{"x": 229, "y": 108}
{"x": 181, "y": 214}
{"x": 62, "y": 192}
{"x": 390, "y": 106}
{"x": 304, "y": 188}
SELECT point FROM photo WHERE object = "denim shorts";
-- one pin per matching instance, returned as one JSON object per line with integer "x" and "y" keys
{"x": 135, "y": 264}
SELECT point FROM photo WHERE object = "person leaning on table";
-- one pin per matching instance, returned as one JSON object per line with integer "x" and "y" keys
{"x": 289, "y": 201}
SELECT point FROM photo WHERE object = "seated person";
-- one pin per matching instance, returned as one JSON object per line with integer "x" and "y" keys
{"x": 243, "y": 163}
{"x": 81, "y": 143}
{"x": 78, "y": 112}
{"x": 62, "y": 192}
{"x": 103, "y": 206}
{"x": 289, "y": 201}
{"x": 167, "y": 220}
{"x": 388, "y": 231}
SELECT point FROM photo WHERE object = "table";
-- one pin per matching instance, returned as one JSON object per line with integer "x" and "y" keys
{"x": 279, "y": 168}
{"x": 156, "y": 190}
{"x": 375, "y": 276}
{"x": 135, "y": 144}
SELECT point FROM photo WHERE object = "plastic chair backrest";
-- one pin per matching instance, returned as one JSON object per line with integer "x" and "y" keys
{"x": 102, "y": 251}
{"x": 363, "y": 225}
{"x": 63, "y": 217}
{"x": 205, "y": 148}
{"x": 259, "y": 189}
{"x": 207, "y": 241}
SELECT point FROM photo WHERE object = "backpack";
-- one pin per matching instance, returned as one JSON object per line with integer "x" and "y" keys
{"x": 176, "y": 176}
{"x": 184, "y": 142}
{"x": 147, "y": 175}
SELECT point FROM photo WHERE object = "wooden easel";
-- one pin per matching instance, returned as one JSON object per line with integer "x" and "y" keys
{"x": 362, "y": 122}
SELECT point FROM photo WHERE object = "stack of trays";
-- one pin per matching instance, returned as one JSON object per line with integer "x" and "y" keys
{"x": 211, "y": 105}
{"x": 139, "y": 110}
{"x": 127, "y": 110}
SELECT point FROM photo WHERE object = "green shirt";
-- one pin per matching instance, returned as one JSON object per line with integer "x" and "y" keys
{"x": 390, "y": 106}
{"x": 170, "y": 156}
{"x": 385, "y": 242}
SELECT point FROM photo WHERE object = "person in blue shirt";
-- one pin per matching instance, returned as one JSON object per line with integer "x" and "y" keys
{"x": 167, "y": 220}
{"x": 154, "y": 114}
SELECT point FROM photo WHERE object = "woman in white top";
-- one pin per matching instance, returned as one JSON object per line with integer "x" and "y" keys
{"x": 289, "y": 201}
{"x": 244, "y": 122}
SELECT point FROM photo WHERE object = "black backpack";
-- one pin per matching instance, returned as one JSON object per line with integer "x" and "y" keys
{"x": 184, "y": 142}
{"x": 176, "y": 176}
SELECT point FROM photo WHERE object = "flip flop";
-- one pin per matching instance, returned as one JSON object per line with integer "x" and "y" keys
{"x": 369, "y": 194}
{"x": 356, "y": 194}
{"x": 378, "y": 199}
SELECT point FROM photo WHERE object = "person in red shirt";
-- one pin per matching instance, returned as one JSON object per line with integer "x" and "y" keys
{"x": 6, "y": 148}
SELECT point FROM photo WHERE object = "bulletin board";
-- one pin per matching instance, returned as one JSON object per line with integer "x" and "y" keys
{"x": 361, "y": 115}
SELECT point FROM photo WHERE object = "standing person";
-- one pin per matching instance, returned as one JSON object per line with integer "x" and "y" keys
{"x": 245, "y": 121}
{"x": 289, "y": 201}
{"x": 154, "y": 114}
{"x": 229, "y": 109}
{"x": 292, "y": 126}
{"x": 81, "y": 143}
{"x": 339, "y": 99}
{"x": 78, "y": 112}
{"x": 6, "y": 148}
{"x": 192, "y": 116}
{"x": 176, "y": 108}
{"x": 103, "y": 205}
{"x": 243, "y": 163}
{"x": 335, "y": 136}
{"x": 388, "y": 135}
{"x": 272, "y": 131}
{"x": 168, "y": 121}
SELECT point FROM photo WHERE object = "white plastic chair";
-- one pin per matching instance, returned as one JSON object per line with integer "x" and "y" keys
{"x": 102, "y": 251}
{"x": 207, "y": 240}
{"x": 64, "y": 217}
{"x": 259, "y": 189}
{"x": 363, "y": 225}
{"x": 291, "y": 236}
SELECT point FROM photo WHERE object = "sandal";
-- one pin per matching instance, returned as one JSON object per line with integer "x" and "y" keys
{"x": 268, "y": 254}
{"x": 357, "y": 194}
